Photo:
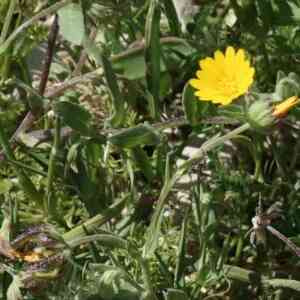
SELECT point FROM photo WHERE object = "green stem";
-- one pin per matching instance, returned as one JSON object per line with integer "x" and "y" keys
{"x": 147, "y": 278}
{"x": 258, "y": 173}
{"x": 154, "y": 228}
{"x": 48, "y": 199}
{"x": 24, "y": 180}
{"x": 213, "y": 143}
{"x": 48, "y": 11}
{"x": 7, "y": 21}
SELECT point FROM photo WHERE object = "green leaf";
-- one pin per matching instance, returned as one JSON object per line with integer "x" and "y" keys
{"x": 285, "y": 12}
{"x": 265, "y": 13}
{"x": 143, "y": 162}
{"x": 71, "y": 23}
{"x": 131, "y": 63}
{"x": 294, "y": 10}
{"x": 131, "y": 66}
{"x": 74, "y": 116}
{"x": 132, "y": 137}
{"x": 152, "y": 54}
{"x": 286, "y": 87}
{"x": 35, "y": 100}
{"x": 151, "y": 103}
{"x": 111, "y": 282}
{"x": 180, "y": 263}
{"x": 89, "y": 192}
{"x": 172, "y": 17}
{"x": 280, "y": 75}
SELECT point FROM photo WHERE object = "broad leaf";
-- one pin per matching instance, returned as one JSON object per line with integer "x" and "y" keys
{"x": 71, "y": 23}
{"x": 74, "y": 116}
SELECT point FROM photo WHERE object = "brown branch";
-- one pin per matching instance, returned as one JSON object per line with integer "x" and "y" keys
{"x": 49, "y": 55}
{"x": 31, "y": 115}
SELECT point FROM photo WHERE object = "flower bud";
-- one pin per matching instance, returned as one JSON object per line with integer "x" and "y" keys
{"x": 260, "y": 115}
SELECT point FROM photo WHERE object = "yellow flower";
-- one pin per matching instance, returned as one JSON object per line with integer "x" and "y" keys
{"x": 224, "y": 78}
{"x": 281, "y": 109}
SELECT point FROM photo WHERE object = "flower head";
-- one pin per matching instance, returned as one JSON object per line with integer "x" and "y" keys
{"x": 261, "y": 114}
{"x": 224, "y": 77}
{"x": 281, "y": 109}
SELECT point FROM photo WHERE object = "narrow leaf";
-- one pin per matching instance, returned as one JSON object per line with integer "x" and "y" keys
{"x": 118, "y": 105}
{"x": 152, "y": 54}
{"x": 179, "y": 270}
{"x": 172, "y": 17}
{"x": 153, "y": 232}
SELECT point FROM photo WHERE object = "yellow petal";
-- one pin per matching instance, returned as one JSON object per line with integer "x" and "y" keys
{"x": 230, "y": 53}
{"x": 240, "y": 56}
{"x": 205, "y": 75}
{"x": 208, "y": 79}
{"x": 209, "y": 65}
{"x": 206, "y": 63}
{"x": 219, "y": 58}
{"x": 202, "y": 96}
{"x": 281, "y": 109}
{"x": 247, "y": 79}
{"x": 194, "y": 83}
